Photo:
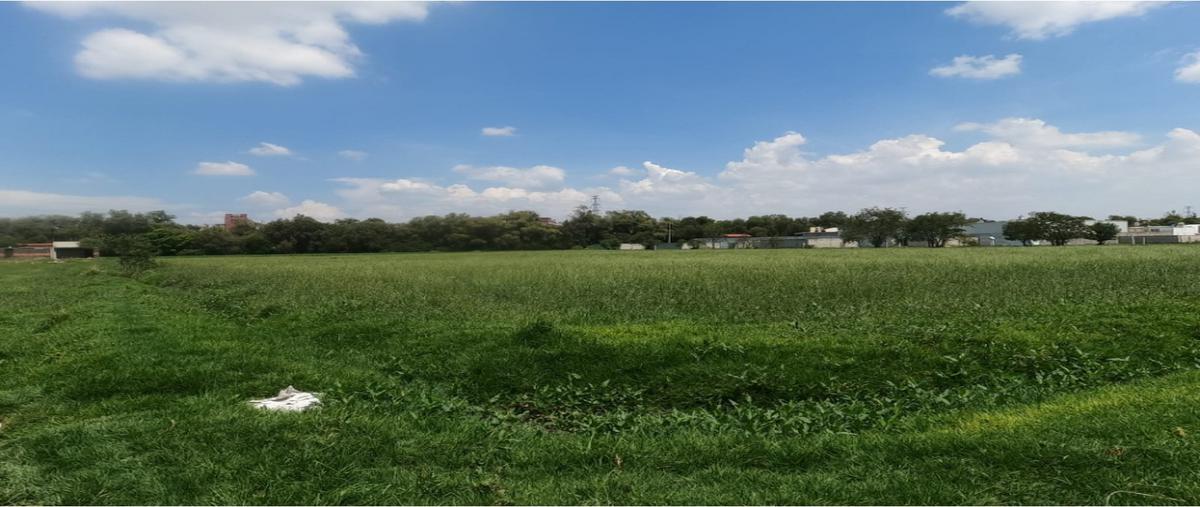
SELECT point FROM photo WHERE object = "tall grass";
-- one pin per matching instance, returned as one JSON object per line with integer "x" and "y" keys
{"x": 793, "y": 376}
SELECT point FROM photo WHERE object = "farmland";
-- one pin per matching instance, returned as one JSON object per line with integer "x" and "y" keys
{"x": 935, "y": 376}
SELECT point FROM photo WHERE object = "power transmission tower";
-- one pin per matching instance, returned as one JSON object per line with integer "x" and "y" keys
{"x": 596, "y": 204}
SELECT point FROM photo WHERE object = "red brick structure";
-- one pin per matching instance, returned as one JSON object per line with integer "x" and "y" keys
{"x": 30, "y": 250}
{"x": 232, "y": 220}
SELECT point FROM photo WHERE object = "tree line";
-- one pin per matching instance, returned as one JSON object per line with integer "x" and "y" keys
{"x": 158, "y": 233}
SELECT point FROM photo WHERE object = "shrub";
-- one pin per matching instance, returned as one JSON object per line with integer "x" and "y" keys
{"x": 135, "y": 252}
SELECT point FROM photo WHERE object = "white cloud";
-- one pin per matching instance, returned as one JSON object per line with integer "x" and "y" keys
{"x": 499, "y": 131}
{"x": 1036, "y": 133}
{"x": 1189, "y": 69}
{"x": 1039, "y": 20}
{"x": 538, "y": 176}
{"x": 1025, "y": 164}
{"x": 1022, "y": 164}
{"x": 980, "y": 67}
{"x": 661, "y": 180}
{"x": 354, "y": 155}
{"x": 406, "y": 185}
{"x": 312, "y": 209}
{"x": 24, "y": 202}
{"x": 779, "y": 156}
{"x": 279, "y": 43}
{"x": 265, "y": 199}
{"x": 621, "y": 171}
{"x": 404, "y": 198}
{"x": 223, "y": 169}
{"x": 265, "y": 149}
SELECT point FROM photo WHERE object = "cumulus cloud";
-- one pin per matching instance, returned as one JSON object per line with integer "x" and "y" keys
{"x": 269, "y": 42}
{"x": 1022, "y": 164}
{"x": 354, "y": 155}
{"x": 1025, "y": 164}
{"x": 1036, "y": 133}
{"x": 265, "y": 199}
{"x": 538, "y": 176}
{"x": 980, "y": 67}
{"x": 15, "y": 202}
{"x": 1040, "y": 20}
{"x": 499, "y": 131}
{"x": 661, "y": 180}
{"x": 405, "y": 198}
{"x": 223, "y": 169}
{"x": 312, "y": 209}
{"x": 265, "y": 149}
{"x": 1189, "y": 70}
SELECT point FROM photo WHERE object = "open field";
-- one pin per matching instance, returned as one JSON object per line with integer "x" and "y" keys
{"x": 1005, "y": 375}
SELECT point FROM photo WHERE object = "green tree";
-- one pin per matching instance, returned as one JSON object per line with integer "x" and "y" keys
{"x": 300, "y": 234}
{"x": 1058, "y": 228}
{"x": 135, "y": 252}
{"x": 1102, "y": 232}
{"x": 1130, "y": 219}
{"x": 585, "y": 228}
{"x": 877, "y": 226}
{"x": 1021, "y": 230}
{"x": 935, "y": 229}
{"x": 169, "y": 239}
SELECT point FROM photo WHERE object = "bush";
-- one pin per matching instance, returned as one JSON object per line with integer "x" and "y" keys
{"x": 135, "y": 252}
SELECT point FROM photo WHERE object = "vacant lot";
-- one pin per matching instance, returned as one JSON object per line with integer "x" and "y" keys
{"x": 1021, "y": 375}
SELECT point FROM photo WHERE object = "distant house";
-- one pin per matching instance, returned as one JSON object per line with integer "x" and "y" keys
{"x": 1143, "y": 235}
{"x": 987, "y": 233}
{"x": 816, "y": 237}
{"x": 632, "y": 246}
{"x": 71, "y": 250}
{"x": 54, "y": 251}
{"x": 29, "y": 250}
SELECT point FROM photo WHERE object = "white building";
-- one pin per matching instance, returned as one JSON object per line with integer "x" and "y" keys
{"x": 1146, "y": 234}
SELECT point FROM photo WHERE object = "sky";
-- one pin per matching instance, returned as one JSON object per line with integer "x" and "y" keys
{"x": 397, "y": 110}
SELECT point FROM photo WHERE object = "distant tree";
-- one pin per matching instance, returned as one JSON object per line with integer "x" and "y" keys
{"x": 1101, "y": 232}
{"x": 935, "y": 229}
{"x": 213, "y": 240}
{"x": 689, "y": 228}
{"x": 1057, "y": 228}
{"x": 1021, "y": 230}
{"x": 632, "y": 226}
{"x": 1132, "y": 220}
{"x": 134, "y": 251}
{"x": 832, "y": 219}
{"x": 169, "y": 239}
{"x": 875, "y": 225}
{"x": 300, "y": 234}
{"x": 584, "y": 228}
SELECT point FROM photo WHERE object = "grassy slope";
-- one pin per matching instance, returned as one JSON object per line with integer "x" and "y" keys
{"x": 958, "y": 376}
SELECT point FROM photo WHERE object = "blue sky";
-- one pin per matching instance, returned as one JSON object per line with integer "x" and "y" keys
{"x": 723, "y": 109}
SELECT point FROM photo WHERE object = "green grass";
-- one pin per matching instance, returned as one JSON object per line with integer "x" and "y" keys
{"x": 1018, "y": 375}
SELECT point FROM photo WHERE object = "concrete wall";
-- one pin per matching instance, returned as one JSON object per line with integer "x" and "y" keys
{"x": 1158, "y": 239}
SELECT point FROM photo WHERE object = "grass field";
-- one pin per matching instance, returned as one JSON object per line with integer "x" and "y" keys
{"x": 1006, "y": 375}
